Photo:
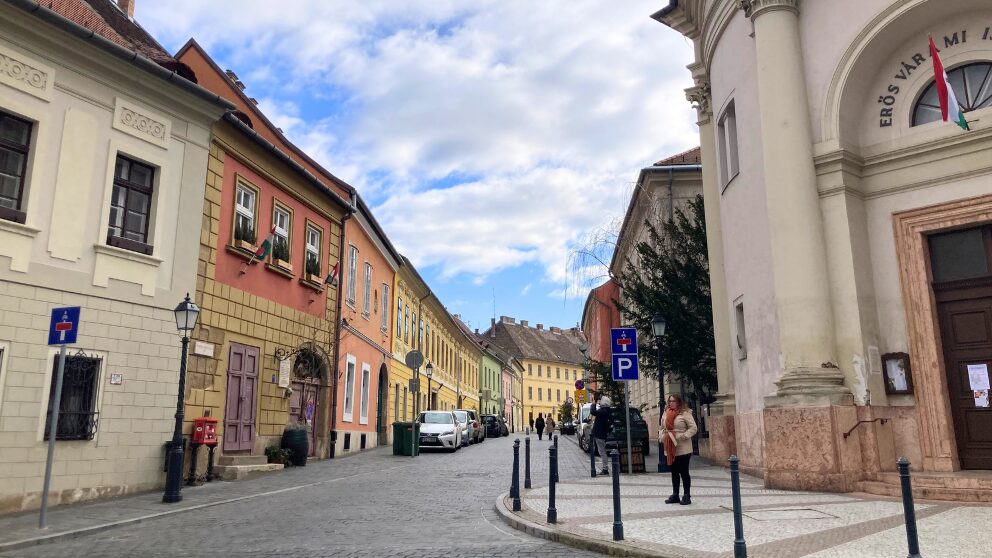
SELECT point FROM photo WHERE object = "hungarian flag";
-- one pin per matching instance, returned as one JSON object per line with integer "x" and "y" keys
{"x": 949, "y": 107}
{"x": 266, "y": 246}
{"x": 332, "y": 277}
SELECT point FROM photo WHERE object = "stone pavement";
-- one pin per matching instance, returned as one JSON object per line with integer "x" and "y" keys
{"x": 777, "y": 523}
{"x": 371, "y": 504}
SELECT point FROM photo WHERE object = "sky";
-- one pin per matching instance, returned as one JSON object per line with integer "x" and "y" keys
{"x": 491, "y": 138}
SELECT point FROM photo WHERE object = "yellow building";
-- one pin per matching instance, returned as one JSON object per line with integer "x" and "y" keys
{"x": 551, "y": 363}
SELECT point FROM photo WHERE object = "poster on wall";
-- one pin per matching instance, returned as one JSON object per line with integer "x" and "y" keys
{"x": 978, "y": 377}
{"x": 284, "y": 367}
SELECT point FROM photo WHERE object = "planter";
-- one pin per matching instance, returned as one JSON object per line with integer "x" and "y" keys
{"x": 284, "y": 265}
{"x": 245, "y": 245}
{"x": 299, "y": 442}
{"x": 315, "y": 279}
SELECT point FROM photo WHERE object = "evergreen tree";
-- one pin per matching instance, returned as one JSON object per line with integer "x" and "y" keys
{"x": 672, "y": 278}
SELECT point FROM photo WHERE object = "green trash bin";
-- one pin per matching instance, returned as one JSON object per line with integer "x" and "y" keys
{"x": 403, "y": 434}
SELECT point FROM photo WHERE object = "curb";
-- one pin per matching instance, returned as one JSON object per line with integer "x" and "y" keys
{"x": 609, "y": 548}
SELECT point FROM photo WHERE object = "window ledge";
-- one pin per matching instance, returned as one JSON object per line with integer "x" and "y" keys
{"x": 280, "y": 271}
{"x": 18, "y": 228}
{"x": 311, "y": 285}
{"x": 240, "y": 252}
{"x": 127, "y": 254}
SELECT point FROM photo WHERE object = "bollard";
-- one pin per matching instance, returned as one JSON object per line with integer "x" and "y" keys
{"x": 210, "y": 463}
{"x": 615, "y": 471}
{"x": 527, "y": 462}
{"x": 552, "y": 473}
{"x": 592, "y": 457}
{"x": 515, "y": 481}
{"x": 556, "y": 458}
{"x": 740, "y": 547}
{"x": 908, "y": 508}
{"x": 191, "y": 480}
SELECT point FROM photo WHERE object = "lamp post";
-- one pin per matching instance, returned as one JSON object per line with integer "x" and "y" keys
{"x": 658, "y": 329}
{"x": 430, "y": 400}
{"x": 186, "y": 314}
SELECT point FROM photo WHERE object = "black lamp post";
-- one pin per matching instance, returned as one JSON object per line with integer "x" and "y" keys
{"x": 430, "y": 398}
{"x": 186, "y": 314}
{"x": 658, "y": 329}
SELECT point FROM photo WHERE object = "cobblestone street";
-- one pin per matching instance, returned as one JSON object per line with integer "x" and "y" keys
{"x": 372, "y": 504}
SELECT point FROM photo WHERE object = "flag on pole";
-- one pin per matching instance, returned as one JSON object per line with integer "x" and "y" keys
{"x": 332, "y": 277}
{"x": 949, "y": 107}
{"x": 266, "y": 246}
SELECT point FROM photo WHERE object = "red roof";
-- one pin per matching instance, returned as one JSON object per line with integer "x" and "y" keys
{"x": 690, "y": 157}
{"x": 107, "y": 20}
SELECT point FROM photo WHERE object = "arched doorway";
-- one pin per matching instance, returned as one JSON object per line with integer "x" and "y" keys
{"x": 380, "y": 406}
{"x": 309, "y": 376}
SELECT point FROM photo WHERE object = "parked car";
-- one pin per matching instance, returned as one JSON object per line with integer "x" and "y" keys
{"x": 464, "y": 426}
{"x": 638, "y": 430}
{"x": 504, "y": 429}
{"x": 584, "y": 424}
{"x": 478, "y": 430}
{"x": 440, "y": 429}
{"x": 492, "y": 423}
{"x": 568, "y": 427}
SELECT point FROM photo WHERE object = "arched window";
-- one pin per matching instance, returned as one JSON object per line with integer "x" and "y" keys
{"x": 309, "y": 364}
{"x": 972, "y": 85}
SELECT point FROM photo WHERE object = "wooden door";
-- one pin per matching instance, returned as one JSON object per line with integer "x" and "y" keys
{"x": 239, "y": 414}
{"x": 306, "y": 393}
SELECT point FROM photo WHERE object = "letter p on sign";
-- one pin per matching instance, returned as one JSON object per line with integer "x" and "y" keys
{"x": 625, "y": 367}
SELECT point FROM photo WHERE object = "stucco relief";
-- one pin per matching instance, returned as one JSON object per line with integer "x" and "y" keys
{"x": 141, "y": 123}
{"x": 754, "y": 8}
{"x": 700, "y": 97}
{"x": 28, "y": 76}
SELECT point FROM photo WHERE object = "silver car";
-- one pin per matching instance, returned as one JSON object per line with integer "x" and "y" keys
{"x": 478, "y": 429}
{"x": 439, "y": 429}
{"x": 465, "y": 426}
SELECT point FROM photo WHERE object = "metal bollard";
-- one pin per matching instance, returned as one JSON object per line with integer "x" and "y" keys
{"x": 515, "y": 481}
{"x": 527, "y": 462}
{"x": 615, "y": 471}
{"x": 210, "y": 463}
{"x": 191, "y": 479}
{"x": 740, "y": 546}
{"x": 556, "y": 458}
{"x": 592, "y": 457}
{"x": 908, "y": 508}
{"x": 552, "y": 473}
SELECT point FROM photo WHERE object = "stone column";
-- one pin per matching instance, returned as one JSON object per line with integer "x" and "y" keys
{"x": 723, "y": 441}
{"x": 809, "y": 375}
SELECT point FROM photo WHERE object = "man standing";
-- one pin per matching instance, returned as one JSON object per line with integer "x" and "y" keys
{"x": 601, "y": 428}
{"x": 539, "y": 424}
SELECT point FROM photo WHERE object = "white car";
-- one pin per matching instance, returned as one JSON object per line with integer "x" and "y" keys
{"x": 439, "y": 429}
{"x": 478, "y": 429}
{"x": 465, "y": 426}
{"x": 583, "y": 424}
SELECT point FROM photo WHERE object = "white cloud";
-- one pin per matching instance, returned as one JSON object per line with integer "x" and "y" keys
{"x": 526, "y": 289}
{"x": 548, "y": 107}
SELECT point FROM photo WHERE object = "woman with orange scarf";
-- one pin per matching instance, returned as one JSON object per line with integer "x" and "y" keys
{"x": 678, "y": 428}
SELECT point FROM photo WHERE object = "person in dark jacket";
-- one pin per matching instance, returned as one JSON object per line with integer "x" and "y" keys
{"x": 601, "y": 428}
{"x": 539, "y": 425}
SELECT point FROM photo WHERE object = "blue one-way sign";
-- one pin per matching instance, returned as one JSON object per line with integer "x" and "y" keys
{"x": 64, "y": 326}
{"x": 624, "y": 341}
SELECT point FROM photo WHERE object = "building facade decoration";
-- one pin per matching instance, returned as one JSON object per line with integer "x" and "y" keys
{"x": 29, "y": 76}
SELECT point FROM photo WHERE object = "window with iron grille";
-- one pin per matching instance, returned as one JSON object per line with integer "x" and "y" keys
{"x": 15, "y": 137}
{"x": 130, "y": 206}
{"x": 77, "y": 407}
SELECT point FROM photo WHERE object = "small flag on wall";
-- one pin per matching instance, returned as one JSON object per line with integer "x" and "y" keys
{"x": 332, "y": 277}
{"x": 949, "y": 107}
{"x": 266, "y": 246}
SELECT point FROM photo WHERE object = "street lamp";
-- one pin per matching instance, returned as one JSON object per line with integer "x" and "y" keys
{"x": 186, "y": 314}
{"x": 658, "y": 329}
{"x": 430, "y": 400}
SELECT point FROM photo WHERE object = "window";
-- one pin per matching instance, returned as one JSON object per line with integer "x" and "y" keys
{"x": 727, "y": 148}
{"x": 399, "y": 317}
{"x": 396, "y": 402}
{"x": 558, "y": 373}
{"x": 539, "y": 394}
{"x": 77, "y": 406}
{"x": 244, "y": 214}
{"x": 741, "y": 333}
{"x": 557, "y": 395}
{"x": 421, "y": 338}
{"x": 406, "y": 325}
{"x": 352, "y": 275}
{"x": 15, "y": 139}
{"x": 538, "y": 370}
{"x": 367, "y": 295}
{"x": 312, "y": 241}
{"x": 530, "y": 369}
{"x": 363, "y": 414}
{"x": 961, "y": 254}
{"x": 130, "y": 206}
{"x": 406, "y": 397}
{"x": 972, "y": 84}
{"x": 549, "y": 394}
{"x": 349, "y": 390}
{"x": 384, "y": 318}
{"x": 281, "y": 223}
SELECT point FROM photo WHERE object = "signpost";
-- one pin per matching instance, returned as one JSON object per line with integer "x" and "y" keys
{"x": 62, "y": 331}
{"x": 580, "y": 396}
{"x": 624, "y": 348}
{"x": 413, "y": 360}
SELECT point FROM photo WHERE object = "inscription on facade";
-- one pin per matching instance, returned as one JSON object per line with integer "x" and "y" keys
{"x": 916, "y": 63}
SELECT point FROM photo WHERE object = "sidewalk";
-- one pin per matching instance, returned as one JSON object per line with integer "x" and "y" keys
{"x": 21, "y": 529}
{"x": 777, "y": 523}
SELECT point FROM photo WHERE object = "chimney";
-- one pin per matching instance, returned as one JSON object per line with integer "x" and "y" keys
{"x": 230, "y": 74}
{"x": 507, "y": 320}
{"x": 127, "y": 6}
{"x": 540, "y": 326}
{"x": 556, "y": 330}
{"x": 523, "y": 323}
{"x": 476, "y": 331}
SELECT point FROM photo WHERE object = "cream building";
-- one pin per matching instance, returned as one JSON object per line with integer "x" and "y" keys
{"x": 88, "y": 129}
{"x": 849, "y": 236}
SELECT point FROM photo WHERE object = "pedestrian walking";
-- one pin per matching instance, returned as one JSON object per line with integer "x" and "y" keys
{"x": 550, "y": 427}
{"x": 539, "y": 424}
{"x": 601, "y": 428}
{"x": 678, "y": 428}
{"x": 532, "y": 423}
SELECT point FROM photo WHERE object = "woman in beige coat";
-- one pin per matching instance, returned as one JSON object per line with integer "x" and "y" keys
{"x": 677, "y": 430}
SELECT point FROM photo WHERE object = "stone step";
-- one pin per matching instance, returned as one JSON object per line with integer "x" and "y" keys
{"x": 242, "y": 460}
{"x": 242, "y": 472}
{"x": 942, "y": 480}
{"x": 927, "y": 492}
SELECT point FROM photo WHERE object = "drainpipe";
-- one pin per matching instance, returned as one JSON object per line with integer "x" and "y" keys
{"x": 338, "y": 328}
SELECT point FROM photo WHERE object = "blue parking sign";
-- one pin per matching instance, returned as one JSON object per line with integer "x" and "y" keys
{"x": 625, "y": 368}
{"x": 64, "y": 326}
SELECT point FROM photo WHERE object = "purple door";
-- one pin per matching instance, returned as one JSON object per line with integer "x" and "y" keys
{"x": 239, "y": 416}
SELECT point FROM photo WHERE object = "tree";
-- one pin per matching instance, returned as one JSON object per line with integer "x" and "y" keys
{"x": 566, "y": 412}
{"x": 672, "y": 278}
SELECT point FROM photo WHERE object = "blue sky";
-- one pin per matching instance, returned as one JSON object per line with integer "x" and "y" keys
{"x": 492, "y": 138}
